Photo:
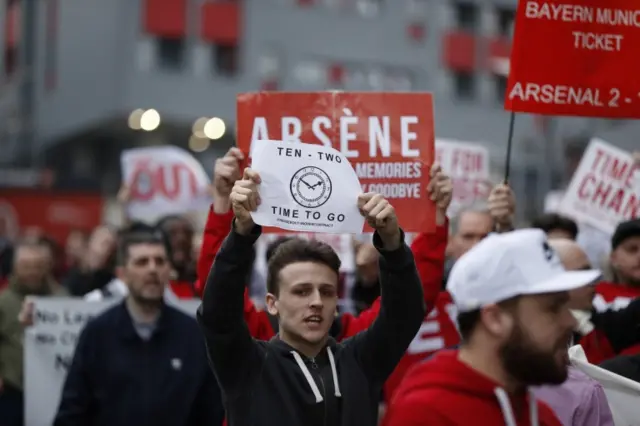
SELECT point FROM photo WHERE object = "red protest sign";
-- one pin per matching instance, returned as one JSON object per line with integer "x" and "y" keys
{"x": 387, "y": 137}
{"x": 576, "y": 57}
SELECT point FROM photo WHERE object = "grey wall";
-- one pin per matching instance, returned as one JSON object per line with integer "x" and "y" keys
{"x": 91, "y": 59}
{"x": 107, "y": 67}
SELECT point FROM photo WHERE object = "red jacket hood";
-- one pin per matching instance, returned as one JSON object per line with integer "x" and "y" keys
{"x": 445, "y": 371}
{"x": 447, "y": 384}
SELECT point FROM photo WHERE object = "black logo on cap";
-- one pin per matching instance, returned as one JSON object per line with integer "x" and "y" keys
{"x": 550, "y": 254}
{"x": 548, "y": 251}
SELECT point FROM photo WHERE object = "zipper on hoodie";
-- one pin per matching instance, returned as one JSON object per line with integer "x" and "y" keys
{"x": 314, "y": 366}
{"x": 324, "y": 394}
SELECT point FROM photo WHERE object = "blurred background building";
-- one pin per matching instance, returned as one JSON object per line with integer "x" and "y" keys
{"x": 81, "y": 80}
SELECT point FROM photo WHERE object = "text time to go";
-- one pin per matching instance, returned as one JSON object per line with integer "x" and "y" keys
{"x": 576, "y": 58}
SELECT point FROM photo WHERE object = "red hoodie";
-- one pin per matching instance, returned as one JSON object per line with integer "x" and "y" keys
{"x": 444, "y": 391}
{"x": 438, "y": 330}
{"x": 429, "y": 253}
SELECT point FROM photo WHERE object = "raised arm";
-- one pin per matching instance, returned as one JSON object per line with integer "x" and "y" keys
{"x": 225, "y": 173}
{"x": 429, "y": 253}
{"x": 234, "y": 355}
{"x": 380, "y": 348}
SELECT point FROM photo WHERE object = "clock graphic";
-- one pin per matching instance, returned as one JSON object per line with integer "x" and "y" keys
{"x": 310, "y": 187}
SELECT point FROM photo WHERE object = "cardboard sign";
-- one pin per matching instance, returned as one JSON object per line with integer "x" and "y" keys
{"x": 576, "y": 57}
{"x": 49, "y": 346}
{"x": 467, "y": 164}
{"x": 603, "y": 191}
{"x": 387, "y": 137}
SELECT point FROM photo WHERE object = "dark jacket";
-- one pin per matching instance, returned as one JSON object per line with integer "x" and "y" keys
{"x": 269, "y": 383}
{"x": 624, "y": 365}
{"x": 80, "y": 283}
{"x": 116, "y": 378}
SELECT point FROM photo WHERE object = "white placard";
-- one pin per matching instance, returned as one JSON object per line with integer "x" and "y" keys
{"x": 603, "y": 191}
{"x": 49, "y": 346}
{"x": 622, "y": 393}
{"x": 467, "y": 164}
{"x": 163, "y": 180}
{"x": 305, "y": 187}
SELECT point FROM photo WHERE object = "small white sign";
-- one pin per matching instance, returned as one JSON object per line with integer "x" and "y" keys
{"x": 467, "y": 164}
{"x": 305, "y": 187}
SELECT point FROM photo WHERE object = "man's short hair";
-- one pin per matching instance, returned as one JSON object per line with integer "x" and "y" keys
{"x": 478, "y": 206}
{"x": 165, "y": 220}
{"x": 554, "y": 222}
{"x": 297, "y": 250}
{"x": 129, "y": 239}
{"x": 273, "y": 246}
{"x": 467, "y": 321}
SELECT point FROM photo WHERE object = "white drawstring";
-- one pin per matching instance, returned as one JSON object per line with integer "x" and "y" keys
{"x": 334, "y": 373}
{"x": 307, "y": 375}
{"x": 312, "y": 383}
{"x": 533, "y": 409}
{"x": 505, "y": 406}
{"x": 507, "y": 410}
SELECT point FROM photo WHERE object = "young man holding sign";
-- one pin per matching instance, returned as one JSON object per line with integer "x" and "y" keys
{"x": 302, "y": 376}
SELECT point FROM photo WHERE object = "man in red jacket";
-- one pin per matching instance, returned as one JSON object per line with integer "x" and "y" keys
{"x": 625, "y": 263}
{"x": 439, "y": 329}
{"x": 511, "y": 292}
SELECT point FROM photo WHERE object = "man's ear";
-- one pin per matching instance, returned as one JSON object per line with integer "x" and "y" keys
{"x": 272, "y": 304}
{"x": 496, "y": 320}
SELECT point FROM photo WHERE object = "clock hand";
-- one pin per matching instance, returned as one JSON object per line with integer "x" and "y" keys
{"x": 317, "y": 184}
{"x": 308, "y": 186}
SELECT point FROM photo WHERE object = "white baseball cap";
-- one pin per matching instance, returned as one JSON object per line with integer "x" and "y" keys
{"x": 512, "y": 264}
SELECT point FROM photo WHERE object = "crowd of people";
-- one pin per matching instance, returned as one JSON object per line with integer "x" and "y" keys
{"x": 468, "y": 324}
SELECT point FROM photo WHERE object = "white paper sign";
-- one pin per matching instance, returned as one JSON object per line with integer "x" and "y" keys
{"x": 603, "y": 191}
{"x": 164, "y": 180}
{"x": 305, "y": 187}
{"x": 49, "y": 346}
{"x": 622, "y": 394}
{"x": 467, "y": 164}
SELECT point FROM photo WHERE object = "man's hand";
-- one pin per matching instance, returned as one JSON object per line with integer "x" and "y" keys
{"x": 381, "y": 216}
{"x": 440, "y": 190}
{"x": 636, "y": 158}
{"x": 225, "y": 173}
{"x": 245, "y": 199}
{"x": 124, "y": 194}
{"x": 502, "y": 206}
{"x": 25, "y": 316}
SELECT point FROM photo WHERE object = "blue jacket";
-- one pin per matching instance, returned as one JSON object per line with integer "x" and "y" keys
{"x": 116, "y": 378}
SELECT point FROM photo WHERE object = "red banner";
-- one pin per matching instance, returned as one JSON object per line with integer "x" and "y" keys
{"x": 576, "y": 57}
{"x": 388, "y": 137}
{"x": 55, "y": 214}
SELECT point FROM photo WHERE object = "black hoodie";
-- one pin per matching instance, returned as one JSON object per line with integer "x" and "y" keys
{"x": 270, "y": 383}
